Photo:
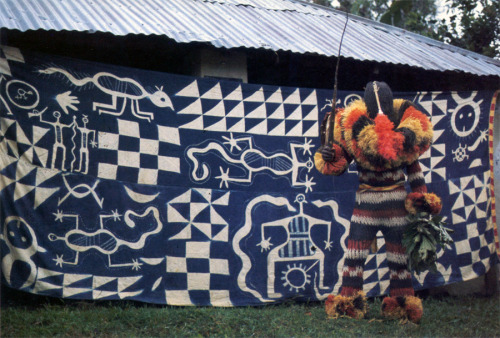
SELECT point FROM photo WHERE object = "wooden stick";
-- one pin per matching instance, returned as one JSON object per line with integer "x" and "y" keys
{"x": 331, "y": 121}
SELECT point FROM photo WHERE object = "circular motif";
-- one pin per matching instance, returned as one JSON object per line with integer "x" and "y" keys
{"x": 22, "y": 94}
{"x": 351, "y": 97}
{"x": 465, "y": 118}
{"x": 296, "y": 277}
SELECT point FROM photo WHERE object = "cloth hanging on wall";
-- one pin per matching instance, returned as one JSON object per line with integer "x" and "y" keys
{"x": 120, "y": 183}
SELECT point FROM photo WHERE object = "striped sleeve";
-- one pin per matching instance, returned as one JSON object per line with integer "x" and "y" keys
{"x": 416, "y": 178}
{"x": 419, "y": 200}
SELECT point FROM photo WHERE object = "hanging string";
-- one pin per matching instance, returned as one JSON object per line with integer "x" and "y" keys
{"x": 375, "y": 89}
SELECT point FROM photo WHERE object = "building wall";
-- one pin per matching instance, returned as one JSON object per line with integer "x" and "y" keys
{"x": 262, "y": 66}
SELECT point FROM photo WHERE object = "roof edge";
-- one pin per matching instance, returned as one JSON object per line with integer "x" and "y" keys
{"x": 402, "y": 31}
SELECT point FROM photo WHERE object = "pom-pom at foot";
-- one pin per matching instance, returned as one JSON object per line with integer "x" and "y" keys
{"x": 352, "y": 306}
{"x": 403, "y": 307}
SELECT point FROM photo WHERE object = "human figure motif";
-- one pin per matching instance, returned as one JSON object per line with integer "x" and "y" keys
{"x": 384, "y": 137}
{"x": 84, "y": 140}
{"x": 58, "y": 141}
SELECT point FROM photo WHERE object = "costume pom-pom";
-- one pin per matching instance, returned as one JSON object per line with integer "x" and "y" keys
{"x": 352, "y": 306}
{"x": 414, "y": 309}
{"x": 403, "y": 307}
{"x": 423, "y": 202}
{"x": 434, "y": 203}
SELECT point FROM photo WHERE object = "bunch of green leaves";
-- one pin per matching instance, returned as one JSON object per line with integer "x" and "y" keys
{"x": 422, "y": 236}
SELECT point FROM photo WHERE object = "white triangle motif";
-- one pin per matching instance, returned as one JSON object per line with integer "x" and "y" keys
{"x": 223, "y": 235}
{"x": 174, "y": 216}
{"x": 218, "y": 126}
{"x": 258, "y": 96}
{"x": 276, "y": 97}
{"x": 214, "y": 93}
{"x": 101, "y": 280}
{"x": 184, "y": 198}
{"x": 258, "y": 113}
{"x": 206, "y": 193}
{"x": 218, "y": 110}
{"x": 43, "y": 194}
{"x": 238, "y": 127}
{"x": 294, "y": 98}
{"x": 296, "y": 131}
{"x": 235, "y": 95}
{"x": 278, "y": 114}
{"x": 125, "y": 282}
{"x": 190, "y": 91}
{"x": 260, "y": 129}
{"x": 194, "y": 108}
{"x": 237, "y": 111}
{"x": 196, "y": 124}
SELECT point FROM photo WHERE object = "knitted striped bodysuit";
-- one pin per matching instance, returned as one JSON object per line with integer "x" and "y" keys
{"x": 380, "y": 205}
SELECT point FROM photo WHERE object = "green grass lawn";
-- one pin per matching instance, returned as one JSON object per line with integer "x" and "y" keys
{"x": 25, "y": 315}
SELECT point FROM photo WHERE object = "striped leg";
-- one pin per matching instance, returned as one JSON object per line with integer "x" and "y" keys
{"x": 358, "y": 245}
{"x": 397, "y": 260}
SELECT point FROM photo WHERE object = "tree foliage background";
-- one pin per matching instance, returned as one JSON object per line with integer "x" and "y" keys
{"x": 469, "y": 24}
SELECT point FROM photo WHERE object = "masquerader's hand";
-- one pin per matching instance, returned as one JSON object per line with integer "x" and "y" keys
{"x": 331, "y": 153}
{"x": 328, "y": 153}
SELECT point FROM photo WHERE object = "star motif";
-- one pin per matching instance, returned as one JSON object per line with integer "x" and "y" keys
{"x": 265, "y": 244}
{"x": 93, "y": 143}
{"x": 115, "y": 215}
{"x": 136, "y": 265}
{"x": 232, "y": 142}
{"x": 224, "y": 177}
{"x": 328, "y": 245}
{"x": 59, "y": 215}
{"x": 59, "y": 260}
{"x": 309, "y": 183}
{"x": 307, "y": 146}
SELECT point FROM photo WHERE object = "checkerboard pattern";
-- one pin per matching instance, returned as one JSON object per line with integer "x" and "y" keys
{"x": 200, "y": 277}
{"x": 474, "y": 248}
{"x": 136, "y": 153}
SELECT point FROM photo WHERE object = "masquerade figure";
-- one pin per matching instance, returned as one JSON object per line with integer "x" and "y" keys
{"x": 384, "y": 137}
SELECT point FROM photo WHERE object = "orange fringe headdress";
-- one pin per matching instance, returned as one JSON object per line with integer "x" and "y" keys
{"x": 377, "y": 144}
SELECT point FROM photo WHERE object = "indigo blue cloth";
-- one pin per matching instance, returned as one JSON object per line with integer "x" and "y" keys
{"x": 120, "y": 183}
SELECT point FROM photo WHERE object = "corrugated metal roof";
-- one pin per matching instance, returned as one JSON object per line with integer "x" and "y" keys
{"x": 271, "y": 24}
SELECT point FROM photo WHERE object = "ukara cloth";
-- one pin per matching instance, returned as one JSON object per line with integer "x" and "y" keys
{"x": 121, "y": 183}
